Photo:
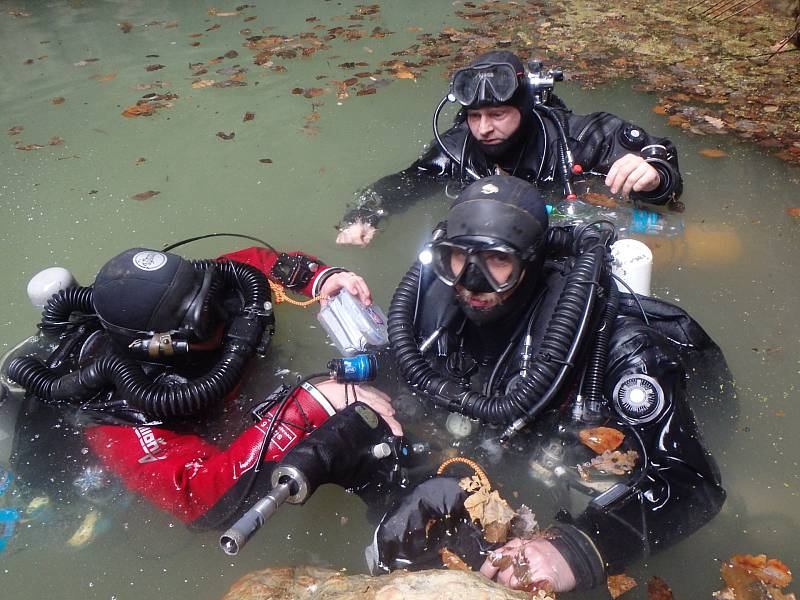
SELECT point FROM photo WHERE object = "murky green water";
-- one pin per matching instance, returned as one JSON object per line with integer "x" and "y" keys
{"x": 70, "y": 204}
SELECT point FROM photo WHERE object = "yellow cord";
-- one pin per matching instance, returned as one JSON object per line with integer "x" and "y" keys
{"x": 484, "y": 479}
{"x": 280, "y": 295}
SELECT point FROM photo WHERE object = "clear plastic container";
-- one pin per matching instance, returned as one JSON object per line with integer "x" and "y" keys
{"x": 353, "y": 327}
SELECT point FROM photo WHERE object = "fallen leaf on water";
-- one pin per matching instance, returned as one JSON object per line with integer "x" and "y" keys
{"x": 203, "y": 83}
{"x": 104, "y": 78}
{"x": 226, "y": 136}
{"x": 85, "y": 61}
{"x": 657, "y": 589}
{"x": 413, "y": 29}
{"x": 366, "y": 91}
{"x": 250, "y": 18}
{"x": 144, "y": 109}
{"x": 792, "y": 212}
{"x": 601, "y": 439}
{"x": 57, "y": 100}
{"x": 125, "y": 26}
{"x": 213, "y": 12}
{"x": 141, "y": 160}
{"x": 231, "y": 54}
{"x": 453, "y": 561}
{"x": 769, "y": 571}
{"x": 314, "y": 116}
{"x": 616, "y": 462}
{"x": 19, "y": 13}
{"x": 195, "y": 35}
{"x": 599, "y": 199}
{"x": 155, "y": 67}
{"x": 297, "y": 91}
{"x": 718, "y": 123}
{"x": 677, "y": 120}
{"x": 29, "y": 147}
{"x": 712, "y": 152}
{"x": 145, "y": 195}
{"x": 249, "y": 116}
{"x": 16, "y": 130}
{"x": 405, "y": 75}
{"x": 67, "y": 157}
{"x": 492, "y": 512}
{"x": 214, "y": 27}
{"x": 313, "y": 92}
{"x": 619, "y": 584}
{"x": 266, "y": 161}
{"x": 524, "y": 524}
{"x": 55, "y": 141}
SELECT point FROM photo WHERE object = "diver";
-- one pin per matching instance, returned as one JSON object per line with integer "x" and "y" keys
{"x": 512, "y": 123}
{"x": 506, "y": 322}
{"x": 136, "y": 379}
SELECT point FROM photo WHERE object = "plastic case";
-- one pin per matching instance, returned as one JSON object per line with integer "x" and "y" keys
{"x": 353, "y": 327}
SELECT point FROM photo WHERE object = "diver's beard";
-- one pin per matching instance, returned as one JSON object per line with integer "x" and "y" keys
{"x": 485, "y": 316}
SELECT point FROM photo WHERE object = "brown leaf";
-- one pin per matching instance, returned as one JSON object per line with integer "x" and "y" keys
{"x": 660, "y": 110}
{"x": 249, "y": 116}
{"x": 195, "y": 44}
{"x": 226, "y": 136}
{"x": 657, "y": 589}
{"x": 214, "y": 27}
{"x": 141, "y": 160}
{"x": 601, "y": 439}
{"x": 453, "y": 561}
{"x": 29, "y": 147}
{"x": 313, "y": 92}
{"x": 57, "y": 100}
{"x": 366, "y": 91}
{"x": 231, "y": 54}
{"x": 792, "y": 212}
{"x": 712, "y": 152}
{"x": 250, "y": 18}
{"x": 297, "y": 91}
{"x": 154, "y": 67}
{"x": 145, "y": 109}
{"x": 770, "y": 571}
{"x": 16, "y": 130}
{"x": 203, "y": 83}
{"x": 314, "y": 116}
{"x": 55, "y": 141}
{"x": 266, "y": 161}
{"x": 616, "y": 462}
{"x": 619, "y": 584}
{"x": 104, "y": 78}
{"x": 677, "y": 120}
{"x": 145, "y": 195}
{"x": 125, "y": 26}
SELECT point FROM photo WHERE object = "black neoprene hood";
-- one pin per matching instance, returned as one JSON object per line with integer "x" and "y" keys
{"x": 502, "y": 208}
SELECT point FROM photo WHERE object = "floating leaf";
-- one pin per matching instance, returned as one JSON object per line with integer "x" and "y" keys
{"x": 769, "y": 571}
{"x": 29, "y": 147}
{"x": 226, "y": 136}
{"x": 712, "y": 152}
{"x": 249, "y": 116}
{"x": 660, "y": 110}
{"x": 792, "y": 212}
{"x": 213, "y": 12}
{"x": 601, "y": 439}
{"x": 57, "y": 100}
{"x": 266, "y": 161}
{"x": 145, "y": 195}
{"x": 155, "y": 67}
{"x": 524, "y": 524}
{"x": 145, "y": 109}
{"x": 16, "y": 130}
{"x": 55, "y": 141}
{"x": 452, "y": 561}
{"x": 250, "y": 18}
{"x": 214, "y": 27}
{"x": 599, "y": 199}
{"x": 104, "y": 78}
{"x": 140, "y": 161}
{"x": 718, "y": 123}
{"x": 313, "y": 92}
{"x": 203, "y": 83}
{"x": 366, "y": 91}
{"x": 619, "y": 584}
{"x": 297, "y": 91}
{"x": 231, "y": 54}
{"x": 125, "y": 26}
{"x": 616, "y": 462}
{"x": 657, "y": 589}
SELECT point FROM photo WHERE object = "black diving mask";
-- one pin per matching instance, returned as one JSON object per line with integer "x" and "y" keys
{"x": 476, "y": 262}
{"x": 486, "y": 83}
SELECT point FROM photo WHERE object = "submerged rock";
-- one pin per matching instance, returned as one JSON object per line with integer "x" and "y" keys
{"x": 315, "y": 583}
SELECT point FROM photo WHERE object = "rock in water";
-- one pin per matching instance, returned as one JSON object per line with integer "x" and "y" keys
{"x": 314, "y": 583}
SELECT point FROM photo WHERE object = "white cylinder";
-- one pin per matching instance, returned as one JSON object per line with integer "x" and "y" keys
{"x": 47, "y": 282}
{"x": 632, "y": 261}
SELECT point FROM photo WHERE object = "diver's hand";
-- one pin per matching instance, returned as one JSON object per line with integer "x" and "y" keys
{"x": 537, "y": 561}
{"x": 632, "y": 173}
{"x": 353, "y": 283}
{"x": 356, "y": 234}
{"x": 372, "y": 397}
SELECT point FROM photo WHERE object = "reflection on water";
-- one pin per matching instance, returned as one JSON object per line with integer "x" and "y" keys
{"x": 71, "y": 203}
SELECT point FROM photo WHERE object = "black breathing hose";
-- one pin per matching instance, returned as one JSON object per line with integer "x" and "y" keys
{"x": 594, "y": 382}
{"x": 62, "y": 304}
{"x": 165, "y": 401}
{"x": 531, "y": 391}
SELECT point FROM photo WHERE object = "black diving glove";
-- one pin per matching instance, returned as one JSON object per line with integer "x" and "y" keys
{"x": 349, "y": 449}
{"x": 430, "y": 518}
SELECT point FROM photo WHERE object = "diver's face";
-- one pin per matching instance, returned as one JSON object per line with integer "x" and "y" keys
{"x": 499, "y": 265}
{"x": 493, "y": 125}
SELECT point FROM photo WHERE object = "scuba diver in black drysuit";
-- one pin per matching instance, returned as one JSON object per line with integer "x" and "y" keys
{"x": 511, "y": 123}
{"x": 521, "y": 327}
